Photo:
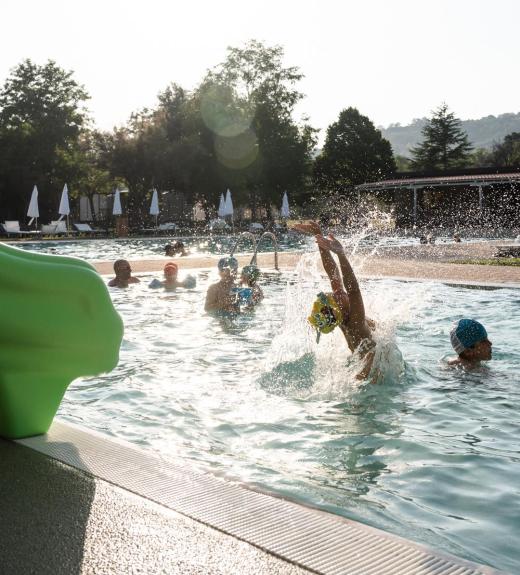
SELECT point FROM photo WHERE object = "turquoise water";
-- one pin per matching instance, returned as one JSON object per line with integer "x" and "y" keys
{"x": 151, "y": 248}
{"x": 432, "y": 453}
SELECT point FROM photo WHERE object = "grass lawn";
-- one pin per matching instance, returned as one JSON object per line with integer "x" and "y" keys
{"x": 491, "y": 262}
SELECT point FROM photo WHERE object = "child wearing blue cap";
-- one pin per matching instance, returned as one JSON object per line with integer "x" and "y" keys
{"x": 469, "y": 339}
{"x": 220, "y": 296}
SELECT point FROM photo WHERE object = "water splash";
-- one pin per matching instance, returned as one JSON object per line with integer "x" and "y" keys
{"x": 297, "y": 365}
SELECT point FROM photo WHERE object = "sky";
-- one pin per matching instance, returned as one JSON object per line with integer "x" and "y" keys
{"x": 393, "y": 60}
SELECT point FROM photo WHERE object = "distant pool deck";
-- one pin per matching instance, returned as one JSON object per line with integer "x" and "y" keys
{"x": 77, "y": 503}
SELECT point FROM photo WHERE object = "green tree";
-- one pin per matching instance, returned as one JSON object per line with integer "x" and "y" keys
{"x": 445, "y": 145}
{"x": 41, "y": 119}
{"x": 269, "y": 151}
{"x": 403, "y": 164}
{"x": 507, "y": 153}
{"x": 354, "y": 152}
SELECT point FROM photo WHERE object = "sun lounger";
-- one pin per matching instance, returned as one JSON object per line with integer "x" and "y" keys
{"x": 12, "y": 228}
{"x": 165, "y": 228}
{"x": 86, "y": 229}
{"x": 55, "y": 228}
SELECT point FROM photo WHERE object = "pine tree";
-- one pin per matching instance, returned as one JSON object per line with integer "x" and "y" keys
{"x": 445, "y": 144}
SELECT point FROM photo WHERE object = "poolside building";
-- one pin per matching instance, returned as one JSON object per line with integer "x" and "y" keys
{"x": 473, "y": 198}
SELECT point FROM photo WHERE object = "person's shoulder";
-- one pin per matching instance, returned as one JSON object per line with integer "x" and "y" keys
{"x": 112, "y": 282}
{"x": 134, "y": 280}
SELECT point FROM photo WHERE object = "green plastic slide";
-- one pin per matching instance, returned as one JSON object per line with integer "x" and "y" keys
{"x": 57, "y": 323}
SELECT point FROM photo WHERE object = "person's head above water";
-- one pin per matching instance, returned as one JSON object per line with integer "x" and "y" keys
{"x": 228, "y": 265}
{"x": 250, "y": 274}
{"x": 122, "y": 269}
{"x": 173, "y": 249}
{"x": 171, "y": 270}
{"x": 469, "y": 339}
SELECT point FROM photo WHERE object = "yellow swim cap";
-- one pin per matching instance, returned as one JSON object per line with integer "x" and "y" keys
{"x": 325, "y": 314}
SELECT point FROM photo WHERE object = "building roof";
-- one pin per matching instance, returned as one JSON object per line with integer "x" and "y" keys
{"x": 436, "y": 181}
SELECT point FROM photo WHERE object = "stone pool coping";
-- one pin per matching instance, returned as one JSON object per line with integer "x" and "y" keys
{"x": 76, "y": 501}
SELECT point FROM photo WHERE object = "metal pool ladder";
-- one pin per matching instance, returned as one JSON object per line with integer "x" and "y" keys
{"x": 256, "y": 244}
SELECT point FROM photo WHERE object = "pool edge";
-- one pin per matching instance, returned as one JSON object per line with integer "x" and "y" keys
{"x": 301, "y": 535}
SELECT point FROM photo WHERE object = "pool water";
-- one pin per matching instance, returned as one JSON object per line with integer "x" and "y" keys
{"x": 152, "y": 248}
{"x": 432, "y": 453}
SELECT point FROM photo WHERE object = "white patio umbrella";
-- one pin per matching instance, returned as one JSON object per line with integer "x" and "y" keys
{"x": 229, "y": 208}
{"x": 64, "y": 209}
{"x": 284, "y": 212}
{"x": 117, "y": 210}
{"x": 33, "y": 211}
{"x": 221, "y": 207}
{"x": 154, "y": 206}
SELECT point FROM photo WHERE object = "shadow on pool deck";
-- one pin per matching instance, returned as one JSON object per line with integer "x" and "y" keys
{"x": 56, "y": 520}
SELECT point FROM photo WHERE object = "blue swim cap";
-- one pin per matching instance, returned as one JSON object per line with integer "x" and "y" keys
{"x": 466, "y": 333}
{"x": 229, "y": 262}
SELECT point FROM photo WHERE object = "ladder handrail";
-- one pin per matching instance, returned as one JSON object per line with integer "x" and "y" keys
{"x": 275, "y": 243}
{"x": 242, "y": 235}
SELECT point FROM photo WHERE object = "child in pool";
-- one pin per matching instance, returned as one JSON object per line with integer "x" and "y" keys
{"x": 343, "y": 307}
{"x": 469, "y": 339}
{"x": 221, "y": 296}
{"x": 171, "y": 280}
{"x": 252, "y": 292}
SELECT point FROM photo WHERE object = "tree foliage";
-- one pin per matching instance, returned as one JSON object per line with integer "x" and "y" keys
{"x": 41, "y": 119}
{"x": 445, "y": 145}
{"x": 507, "y": 153}
{"x": 354, "y": 152}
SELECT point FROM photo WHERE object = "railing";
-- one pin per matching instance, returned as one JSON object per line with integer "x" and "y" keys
{"x": 249, "y": 235}
{"x": 275, "y": 244}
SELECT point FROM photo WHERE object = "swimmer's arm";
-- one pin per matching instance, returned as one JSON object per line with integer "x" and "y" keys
{"x": 365, "y": 372}
{"x": 134, "y": 280}
{"x": 358, "y": 326}
{"x": 328, "y": 245}
{"x": 329, "y": 265}
{"x": 212, "y": 302}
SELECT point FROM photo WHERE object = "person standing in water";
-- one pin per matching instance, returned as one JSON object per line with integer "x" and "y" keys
{"x": 469, "y": 339}
{"x": 344, "y": 307}
{"x": 171, "y": 280}
{"x": 123, "y": 273}
{"x": 221, "y": 296}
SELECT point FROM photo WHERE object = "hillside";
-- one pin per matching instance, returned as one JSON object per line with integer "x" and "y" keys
{"x": 482, "y": 133}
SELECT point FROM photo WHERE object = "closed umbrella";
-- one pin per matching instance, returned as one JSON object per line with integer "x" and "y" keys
{"x": 229, "y": 208}
{"x": 117, "y": 210}
{"x": 284, "y": 212}
{"x": 33, "y": 211}
{"x": 154, "y": 206}
{"x": 221, "y": 207}
{"x": 64, "y": 209}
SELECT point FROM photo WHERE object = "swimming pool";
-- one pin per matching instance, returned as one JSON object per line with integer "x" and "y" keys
{"x": 433, "y": 454}
{"x": 152, "y": 248}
